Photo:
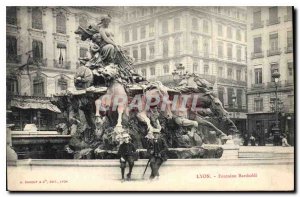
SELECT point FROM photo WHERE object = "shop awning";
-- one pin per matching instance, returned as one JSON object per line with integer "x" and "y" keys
{"x": 34, "y": 103}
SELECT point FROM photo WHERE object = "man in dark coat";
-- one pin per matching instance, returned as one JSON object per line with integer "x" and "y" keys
{"x": 127, "y": 152}
{"x": 157, "y": 148}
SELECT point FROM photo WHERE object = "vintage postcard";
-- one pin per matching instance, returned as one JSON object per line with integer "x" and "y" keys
{"x": 150, "y": 98}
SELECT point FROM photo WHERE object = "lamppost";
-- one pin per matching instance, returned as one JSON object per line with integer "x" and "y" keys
{"x": 276, "y": 130}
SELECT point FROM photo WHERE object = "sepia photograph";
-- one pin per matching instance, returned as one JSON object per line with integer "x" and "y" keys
{"x": 150, "y": 98}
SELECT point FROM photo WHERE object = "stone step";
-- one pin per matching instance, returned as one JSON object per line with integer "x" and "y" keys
{"x": 266, "y": 152}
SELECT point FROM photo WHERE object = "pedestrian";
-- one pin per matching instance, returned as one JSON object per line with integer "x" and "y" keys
{"x": 246, "y": 140}
{"x": 157, "y": 148}
{"x": 284, "y": 141}
{"x": 252, "y": 140}
{"x": 127, "y": 152}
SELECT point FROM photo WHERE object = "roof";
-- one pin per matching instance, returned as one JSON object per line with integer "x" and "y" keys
{"x": 34, "y": 103}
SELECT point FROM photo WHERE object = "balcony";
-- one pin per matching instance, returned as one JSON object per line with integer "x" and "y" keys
{"x": 288, "y": 18}
{"x": 64, "y": 65}
{"x": 255, "y": 55}
{"x": 273, "y": 52}
{"x": 272, "y": 84}
{"x": 40, "y": 62}
{"x": 231, "y": 81}
{"x": 273, "y": 21}
{"x": 11, "y": 58}
{"x": 289, "y": 82}
{"x": 288, "y": 49}
{"x": 257, "y": 86}
{"x": 257, "y": 25}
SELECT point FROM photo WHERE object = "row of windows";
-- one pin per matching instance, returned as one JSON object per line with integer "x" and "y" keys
{"x": 273, "y": 16}
{"x": 230, "y": 93}
{"x": 37, "y": 19}
{"x": 38, "y": 52}
{"x": 258, "y": 103}
{"x": 229, "y": 33}
{"x": 38, "y": 85}
{"x": 273, "y": 42}
{"x": 258, "y": 76}
{"x": 229, "y": 51}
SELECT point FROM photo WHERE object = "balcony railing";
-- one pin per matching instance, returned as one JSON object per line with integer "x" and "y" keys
{"x": 274, "y": 21}
{"x": 40, "y": 62}
{"x": 13, "y": 58}
{"x": 231, "y": 81}
{"x": 64, "y": 65}
{"x": 255, "y": 55}
{"x": 257, "y": 25}
{"x": 288, "y": 49}
{"x": 288, "y": 18}
{"x": 273, "y": 52}
{"x": 269, "y": 85}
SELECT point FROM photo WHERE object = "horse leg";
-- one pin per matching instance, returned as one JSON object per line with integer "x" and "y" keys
{"x": 144, "y": 118}
{"x": 206, "y": 123}
{"x": 120, "y": 114}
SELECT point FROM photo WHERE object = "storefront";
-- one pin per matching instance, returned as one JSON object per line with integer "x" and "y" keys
{"x": 260, "y": 126}
{"x": 32, "y": 110}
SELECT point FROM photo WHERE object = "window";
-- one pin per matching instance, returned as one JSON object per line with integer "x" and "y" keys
{"x": 195, "y": 67}
{"x": 229, "y": 97}
{"x": 205, "y": 26}
{"x": 257, "y": 45}
{"x": 273, "y": 15}
{"x": 205, "y": 47}
{"x": 258, "y": 75}
{"x": 165, "y": 27}
{"x": 152, "y": 51}
{"x": 143, "y": 54}
{"x": 221, "y": 94}
{"x": 11, "y": 15}
{"x": 61, "y": 23}
{"x": 134, "y": 34}
{"x": 229, "y": 51}
{"x": 144, "y": 72}
{"x": 165, "y": 48}
{"x": 143, "y": 32}
{"x": 152, "y": 71}
{"x": 238, "y": 35}
{"x": 238, "y": 53}
{"x": 62, "y": 84}
{"x": 274, "y": 42}
{"x": 258, "y": 105}
{"x": 176, "y": 24}
{"x": 151, "y": 29}
{"x": 239, "y": 94}
{"x": 37, "y": 50}
{"x": 220, "y": 30}
{"x": 38, "y": 86}
{"x": 274, "y": 67}
{"x": 127, "y": 36}
{"x": 229, "y": 32}
{"x": 257, "y": 17}
{"x": 61, "y": 54}
{"x": 166, "y": 69}
{"x": 195, "y": 47}
{"x": 290, "y": 69}
{"x": 220, "y": 49}
{"x": 206, "y": 69}
{"x": 11, "y": 48}
{"x": 238, "y": 75}
{"x": 83, "y": 52}
{"x": 290, "y": 39}
{"x": 289, "y": 12}
{"x": 37, "y": 18}
{"x": 83, "y": 21}
{"x": 135, "y": 54}
{"x": 12, "y": 86}
{"x": 229, "y": 73}
{"x": 220, "y": 71}
{"x": 177, "y": 46}
{"x": 195, "y": 25}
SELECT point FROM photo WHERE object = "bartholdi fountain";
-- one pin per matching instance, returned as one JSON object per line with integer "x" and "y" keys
{"x": 111, "y": 98}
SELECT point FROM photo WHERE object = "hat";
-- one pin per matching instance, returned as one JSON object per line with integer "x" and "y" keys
{"x": 103, "y": 18}
{"x": 125, "y": 135}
